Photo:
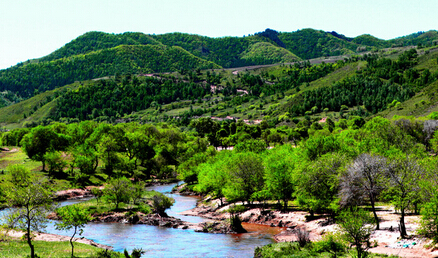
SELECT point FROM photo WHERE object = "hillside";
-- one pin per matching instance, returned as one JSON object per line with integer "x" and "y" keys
{"x": 99, "y": 54}
{"x": 403, "y": 84}
{"x": 24, "y": 80}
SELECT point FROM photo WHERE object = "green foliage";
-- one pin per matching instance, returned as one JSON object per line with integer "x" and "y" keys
{"x": 33, "y": 197}
{"x": 251, "y": 145}
{"x": 331, "y": 243}
{"x": 72, "y": 216}
{"x": 42, "y": 140}
{"x": 318, "y": 184}
{"x": 429, "y": 219}
{"x": 161, "y": 202}
{"x": 279, "y": 176}
{"x": 357, "y": 226}
{"x": 118, "y": 190}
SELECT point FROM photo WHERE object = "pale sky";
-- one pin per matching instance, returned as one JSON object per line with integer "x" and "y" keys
{"x": 35, "y": 28}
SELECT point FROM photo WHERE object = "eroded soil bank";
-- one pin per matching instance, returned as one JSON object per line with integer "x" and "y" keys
{"x": 387, "y": 238}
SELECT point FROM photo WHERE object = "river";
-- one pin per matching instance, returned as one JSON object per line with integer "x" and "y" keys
{"x": 169, "y": 242}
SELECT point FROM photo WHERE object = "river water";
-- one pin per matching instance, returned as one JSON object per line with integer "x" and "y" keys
{"x": 169, "y": 242}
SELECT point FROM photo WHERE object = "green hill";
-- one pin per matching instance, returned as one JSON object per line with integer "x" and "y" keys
{"x": 364, "y": 85}
{"x": 135, "y": 59}
{"x": 99, "y": 55}
{"x": 93, "y": 41}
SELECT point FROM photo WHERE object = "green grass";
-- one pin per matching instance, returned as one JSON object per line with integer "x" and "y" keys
{"x": 19, "y": 249}
{"x": 18, "y": 157}
{"x": 291, "y": 249}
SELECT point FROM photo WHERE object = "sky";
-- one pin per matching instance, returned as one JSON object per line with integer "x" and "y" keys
{"x": 34, "y": 28}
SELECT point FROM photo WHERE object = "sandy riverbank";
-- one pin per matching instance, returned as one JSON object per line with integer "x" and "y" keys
{"x": 54, "y": 238}
{"x": 386, "y": 238}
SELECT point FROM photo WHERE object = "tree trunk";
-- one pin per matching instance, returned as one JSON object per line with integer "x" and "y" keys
{"x": 374, "y": 212}
{"x": 403, "y": 233}
{"x": 44, "y": 165}
{"x": 71, "y": 242}
{"x": 285, "y": 205}
{"x": 29, "y": 240}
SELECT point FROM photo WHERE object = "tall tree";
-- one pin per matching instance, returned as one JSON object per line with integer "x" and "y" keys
{"x": 404, "y": 175}
{"x": 42, "y": 140}
{"x": 33, "y": 199}
{"x": 364, "y": 178}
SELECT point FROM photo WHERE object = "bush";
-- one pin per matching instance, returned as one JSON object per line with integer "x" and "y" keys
{"x": 302, "y": 236}
{"x": 160, "y": 203}
{"x": 331, "y": 243}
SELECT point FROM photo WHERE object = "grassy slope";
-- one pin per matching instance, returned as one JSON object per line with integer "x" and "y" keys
{"x": 13, "y": 116}
{"x": 267, "y": 52}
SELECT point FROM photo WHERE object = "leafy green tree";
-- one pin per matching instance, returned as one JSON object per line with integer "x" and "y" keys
{"x": 213, "y": 176}
{"x": 404, "y": 175}
{"x": 161, "y": 202}
{"x": 253, "y": 145}
{"x": 42, "y": 140}
{"x": 429, "y": 219}
{"x": 358, "y": 226}
{"x": 118, "y": 190}
{"x": 279, "y": 167}
{"x": 317, "y": 183}
{"x": 246, "y": 176}
{"x": 72, "y": 217}
{"x": 56, "y": 164}
{"x": 33, "y": 199}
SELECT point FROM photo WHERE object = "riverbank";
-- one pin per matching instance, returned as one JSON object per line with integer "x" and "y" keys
{"x": 386, "y": 239}
{"x": 53, "y": 238}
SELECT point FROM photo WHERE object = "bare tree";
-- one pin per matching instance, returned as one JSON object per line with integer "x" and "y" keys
{"x": 429, "y": 127}
{"x": 363, "y": 179}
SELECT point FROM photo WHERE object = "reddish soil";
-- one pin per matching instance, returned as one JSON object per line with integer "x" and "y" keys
{"x": 386, "y": 238}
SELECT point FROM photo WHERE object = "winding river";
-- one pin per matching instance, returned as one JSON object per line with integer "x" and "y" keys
{"x": 169, "y": 242}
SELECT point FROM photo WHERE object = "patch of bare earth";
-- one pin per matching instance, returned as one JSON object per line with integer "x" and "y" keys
{"x": 387, "y": 238}
{"x": 54, "y": 238}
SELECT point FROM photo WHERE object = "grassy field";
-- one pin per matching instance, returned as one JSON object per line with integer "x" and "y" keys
{"x": 19, "y": 249}
{"x": 17, "y": 156}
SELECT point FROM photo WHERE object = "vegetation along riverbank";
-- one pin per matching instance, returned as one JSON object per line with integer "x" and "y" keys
{"x": 338, "y": 154}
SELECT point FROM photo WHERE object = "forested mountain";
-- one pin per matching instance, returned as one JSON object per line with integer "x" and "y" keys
{"x": 402, "y": 82}
{"x": 24, "y": 80}
{"x": 98, "y": 54}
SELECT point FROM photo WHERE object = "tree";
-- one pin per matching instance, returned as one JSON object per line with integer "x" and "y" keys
{"x": 42, "y": 140}
{"x": 279, "y": 181}
{"x": 246, "y": 176}
{"x": 118, "y": 190}
{"x": 161, "y": 202}
{"x": 404, "y": 175}
{"x": 33, "y": 199}
{"x": 358, "y": 226}
{"x": 72, "y": 216}
{"x": 429, "y": 219}
{"x": 363, "y": 179}
{"x": 256, "y": 146}
{"x": 317, "y": 183}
